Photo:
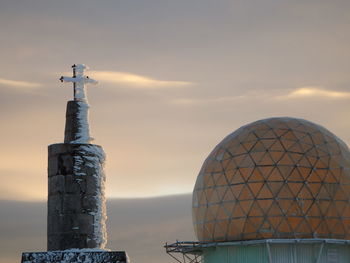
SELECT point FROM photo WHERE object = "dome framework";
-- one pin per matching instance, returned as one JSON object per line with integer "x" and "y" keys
{"x": 274, "y": 178}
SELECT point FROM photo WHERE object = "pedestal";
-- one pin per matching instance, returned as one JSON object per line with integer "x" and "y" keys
{"x": 75, "y": 256}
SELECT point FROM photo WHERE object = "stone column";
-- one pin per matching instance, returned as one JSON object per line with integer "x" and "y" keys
{"x": 76, "y": 202}
{"x": 76, "y": 218}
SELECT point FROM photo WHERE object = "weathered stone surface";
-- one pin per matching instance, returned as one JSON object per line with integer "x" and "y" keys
{"x": 71, "y": 184}
{"x": 55, "y": 229}
{"x": 55, "y": 204}
{"x": 85, "y": 223}
{"x": 72, "y": 203}
{"x": 90, "y": 241}
{"x": 89, "y": 202}
{"x": 71, "y": 128}
{"x": 56, "y": 148}
{"x": 75, "y": 257}
{"x": 53, "y": 167}
{"x": 56, "y": 184}
{"x": 65, "y": 163}
{"x": 75, "y": 196}
{"x": 72, "y": 238}
{"x": 91, "y": 181}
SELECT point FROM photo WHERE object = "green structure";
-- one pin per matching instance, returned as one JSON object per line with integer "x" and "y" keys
{"x": 275, "y": 251}
{"x": 274, "y": 191}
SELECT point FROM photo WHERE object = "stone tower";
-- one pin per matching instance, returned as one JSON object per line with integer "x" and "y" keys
{"x": 76, "y": 218}
{"x": 76, "y": 201}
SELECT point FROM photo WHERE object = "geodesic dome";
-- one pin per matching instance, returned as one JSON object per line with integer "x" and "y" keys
{"x": 274, "y": 178}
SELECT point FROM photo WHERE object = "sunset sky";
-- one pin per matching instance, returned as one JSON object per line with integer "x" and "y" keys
{"x": 175, "y": 77}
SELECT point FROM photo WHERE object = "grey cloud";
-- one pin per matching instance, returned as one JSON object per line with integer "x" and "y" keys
{"x": 139, "y": 226}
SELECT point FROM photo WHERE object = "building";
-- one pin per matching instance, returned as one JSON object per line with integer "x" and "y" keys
{"x": 276, "y": 190}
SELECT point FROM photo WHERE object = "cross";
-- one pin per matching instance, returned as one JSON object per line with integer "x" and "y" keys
{"x": 79, "y": 81}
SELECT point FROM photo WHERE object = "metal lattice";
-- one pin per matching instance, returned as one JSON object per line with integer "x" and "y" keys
{"x": 185, "y": 252}
{"x": 274, "y": 178}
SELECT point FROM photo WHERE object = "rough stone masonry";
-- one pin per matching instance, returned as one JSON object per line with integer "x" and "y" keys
{"x": 76, "y": 202}
{"x": 76, "y": 218}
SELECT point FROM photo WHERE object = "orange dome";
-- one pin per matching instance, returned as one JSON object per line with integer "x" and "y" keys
{"x": 274, "y": 178}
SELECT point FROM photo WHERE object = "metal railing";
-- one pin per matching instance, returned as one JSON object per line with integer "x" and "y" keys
{"x": 185, "y": 251}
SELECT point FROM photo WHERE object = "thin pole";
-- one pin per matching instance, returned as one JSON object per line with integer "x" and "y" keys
{"x": 268, "y": 251}
{"x": 74, "y": 75}
{"x": 320, "y": 253}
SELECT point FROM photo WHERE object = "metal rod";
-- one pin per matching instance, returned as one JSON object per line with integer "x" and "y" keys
{"x": 269, "y": 252}
{"x": 294, "y": 247}
{"x": 74, "y": 75}
{"x": 319, "y": 253}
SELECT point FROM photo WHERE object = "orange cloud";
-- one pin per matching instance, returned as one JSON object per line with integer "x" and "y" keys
{"x": 19, "y": 84}
{"x": 136, "y": 81}
{"x": 314, "y": 91}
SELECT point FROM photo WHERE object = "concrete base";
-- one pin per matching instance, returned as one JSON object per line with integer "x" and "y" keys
{"x": 75, "y": 256}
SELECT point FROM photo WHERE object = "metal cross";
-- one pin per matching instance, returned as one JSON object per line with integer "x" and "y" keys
{"x": 79, "y": 81}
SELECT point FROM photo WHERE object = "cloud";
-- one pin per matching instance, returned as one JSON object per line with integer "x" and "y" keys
{"x": 187, "y": 101}
{"x": 313, "y": 92}
{"x": 136, "y": 81}
{"x": 19, "y": 84}
{"x": 299, "y": 93}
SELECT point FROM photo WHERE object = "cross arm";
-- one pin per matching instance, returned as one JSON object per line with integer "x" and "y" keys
{"x": 84, "y": 79}
{"x": 67, "y": 79}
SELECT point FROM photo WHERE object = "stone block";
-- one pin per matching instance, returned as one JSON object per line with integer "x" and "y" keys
{"x": 71, "y": 203}
{"x": 57, "y": 148}
{"x": 52, "y": 168}
{"x": 81, "y": 180}
{"x": 75, "y": 256}
{"x": 89, "y": 171}
{"x": 70, "y": 222}
{"x": 67, "y": 240}
{"x": 91, "y": 242}
{"x": 89, "y": 203}
{"x": 72, "y": 184}
{"x": 55, "y": 224}
{"x": 73, "y": 240}
{"x": 56, "y": 184}
{"x": 51, "y": 241}
{"x": 92, "y": 185}
{"x": 55, "y": 204}
{"x": 85, "y": 224}
{"x": 78, "y": 223}
{"x": 65, "y": 164}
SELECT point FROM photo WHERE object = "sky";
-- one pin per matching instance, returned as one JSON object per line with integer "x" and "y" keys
{"x": 175, "y": 77}
{"x": 141, "y": 227}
